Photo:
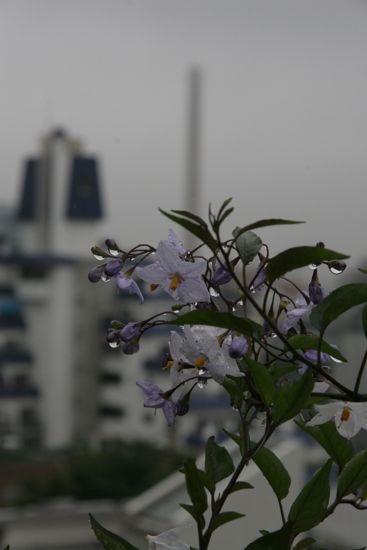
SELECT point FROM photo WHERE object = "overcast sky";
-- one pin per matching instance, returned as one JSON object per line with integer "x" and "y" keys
{"x": 284, "y": 105}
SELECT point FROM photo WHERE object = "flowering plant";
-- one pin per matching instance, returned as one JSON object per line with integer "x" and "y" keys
{"x": 243, "y": 324}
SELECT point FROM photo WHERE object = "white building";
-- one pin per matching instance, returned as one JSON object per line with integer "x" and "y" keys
{"x": 60, "y": 382}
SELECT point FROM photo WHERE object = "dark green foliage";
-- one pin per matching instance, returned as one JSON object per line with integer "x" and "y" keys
{"x": 274, "y": 471}
{"x": 120, "y": 472}
{"x": 309, "y": 508}
{"x": 338, "y": 302}
{"x": 354, "y": 474}
{"x": 296, "y": 257}
{"x": 311, "y": 341}
{"x": 218, "y": 464}
{"x": 291, "y": 398}
{"x": 109, "y": 540}
{"x": 220, "y": 319}
{"x": 336, "y": 446}
{"x": 278, "y": 540}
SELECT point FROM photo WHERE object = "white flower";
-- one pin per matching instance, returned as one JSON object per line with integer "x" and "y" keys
{"x": 181, "y": 279}
{"x": 200, "y": 347}
{"x": 349, "y": 417}
{"x": 168, "y": 540}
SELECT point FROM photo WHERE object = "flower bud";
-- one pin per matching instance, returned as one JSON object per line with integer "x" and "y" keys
{"x": 238, "y": 347}
{"x": 113, "y": 267}
{"x": 129, "y": 348}
{"x": 96, "y": 273}
{"x": 129, "y": 332}
{"x": 221, "y": 276}
{"x": 315, "y": 290}
{"x": 183, "y": 405}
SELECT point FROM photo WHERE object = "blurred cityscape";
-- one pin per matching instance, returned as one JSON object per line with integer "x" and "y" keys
{"x": 70, "y": 411}
{"x": 74, "y": 436}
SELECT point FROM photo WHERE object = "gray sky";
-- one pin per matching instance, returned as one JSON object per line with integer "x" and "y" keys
{"x": 284, "y": 117}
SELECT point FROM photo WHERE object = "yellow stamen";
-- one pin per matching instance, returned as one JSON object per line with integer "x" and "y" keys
{"x": 153, "y": 287}
{"x": 169, "y": 364}
{"x": 175, "y": 281}
{"x": 200, "y": 361}
{"x": 345, "y": 414}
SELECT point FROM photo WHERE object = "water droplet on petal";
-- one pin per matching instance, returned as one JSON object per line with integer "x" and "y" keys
{"x": 202, "y": 383}
{"x": 105, "y": 278}
{"x": 114, "y": 344}
{"x": 202, "y": 372}
{"x": 214, "y": 293}
{"x": 337, "y": 267}
{"x": 234, "y": 408}
{"x": 240, "y": 303}
{"x": 313, "y": 266}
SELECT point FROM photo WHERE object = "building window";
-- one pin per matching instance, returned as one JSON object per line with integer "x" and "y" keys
{"x": 110, "y": 378}
{"x": 111, "y": 411}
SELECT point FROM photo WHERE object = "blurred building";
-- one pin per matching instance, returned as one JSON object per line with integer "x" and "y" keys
{"x": 60, "y": 383}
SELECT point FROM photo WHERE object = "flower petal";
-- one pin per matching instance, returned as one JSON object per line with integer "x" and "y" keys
{"x": 193, "y": 290}
{"x": 167, "y": 257}
{"x": 152, "y": 274}
{"x": 325, "y": 413}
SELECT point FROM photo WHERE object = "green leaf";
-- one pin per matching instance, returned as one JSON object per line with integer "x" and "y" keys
{"x": 193, "y": 512}
{"x": 362, "y": 270}
{"x": 339, "y": 301}
{"x": 248, "y": 245}
{"x": 218, "y": 463}
{"x": 274, "y": 471}
{"x": 236, "y": 387}
{"x": 225, "y": 517}
{"x": 265, "y": 223}
{"x": 309, "y": 508}
{"x": 304, "y": 543}
{"x": 195, "y": 486}
{"x": 109, "y": 540}
{"x": 354, "y": 474}
{"x": 191, "y": 216}
{"x": 278, "y": 370}
{"x": 240, "y": 485}
{"x": 364, "y": 320}
{"x": 278, "y": 540}
{"x": 202, "y": 233}
{"x": 336, "y": 446}
{"x": 311, "y": 341}
{"x": 262, "y": 379}
{"x": 224, "y": 205}
{"x": 219, "y": 319}
{"x": 292, "y": 397}
{"x": 300, "y": 256}
{"x": 225, "y": 215}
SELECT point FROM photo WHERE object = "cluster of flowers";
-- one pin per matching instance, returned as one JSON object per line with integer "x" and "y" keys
{"x": 200, "y": 353}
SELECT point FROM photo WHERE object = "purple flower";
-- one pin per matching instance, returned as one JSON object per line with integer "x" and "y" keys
{"x": 181, "y": 279}
{"x": 155, "y": 400}
{"x": 295, "y": 314}
{"x": 221, "y": 276}
{"x": 130, "y": 332}
{"x": 238, "y": 347}
{"x": 125, "y": 282}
